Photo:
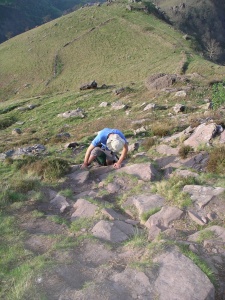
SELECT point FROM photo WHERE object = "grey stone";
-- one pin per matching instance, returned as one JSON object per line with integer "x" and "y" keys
{"x": 145, "y": 202}
{"x": 103, "y": 104}
{"x": 134, "y": 281}
{"x": 153, "y": 232}
{"x": 144, "y": 171}
{"x": 202, "y": 194}
{"x": 118, "y": 106}
{"x": 202, "y": 135}
{"x": 179, "y": 278}
{"x": 142, "y": 129}
{"x": 196, "y": 218}
{"x": 164, "y": 217}
{"x": 222, "y": 137}
{"x": 112, "y": 215}
{"x": 184, "y": 173}
{"x": 218, "y": 231}
{"x": 60, "y": 203}
{"x": 151, "y": 106}
{"x": 133, "y": 147}
{"x": 113, "y": 187}
{"x": 167, "y": 150}
{"x": 179, "y": 108}
{"x": 91, "y": 85}
{"x": 160, "y": 81}
{"x": 181, "y": 94}
{"x": 110, "y": 232}
{"x": 83, "y": 209}
{"x": 80, "y": 176}
{"x": 16, "y": 131}
{"x": 197, "y": 161}
{"x": 76, "y": 113}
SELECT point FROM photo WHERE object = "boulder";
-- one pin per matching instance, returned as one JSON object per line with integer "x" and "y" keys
{"x": 59, "y": 202}
{"x": 167, "y": 150}
{"x": 76, "y": 113}
{"x": 160, "y": 81}
{"x": 118, "y": 105}
{"x": 83, "y": 209}
{"x": 181, "y": 94}
{"x": 134, "y": 282}
{"x": 202, "y": 194}
{"x": 90, "y": 85}
{"x": 16, "y": 131}
{"x": 112, "y": 214}
{"x": 180, "y": 278}
{"x": 165, "y": 217}
{"x": 179, "y": 108}
{"x": 115, "y": 232}
{"x": 144, "y": 171}
{"x": 196, "y": 218}
{"x": 150, "y": 106}
{"x": 79, "y": 176}
{"x": 201, "y": 135}
{"x": 144, "y": 202}
{"x": 103, "y": 104}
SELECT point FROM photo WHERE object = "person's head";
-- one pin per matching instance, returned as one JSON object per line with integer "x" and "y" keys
{"x": 115, "y": 143}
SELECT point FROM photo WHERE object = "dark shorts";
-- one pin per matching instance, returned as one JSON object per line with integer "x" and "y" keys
{"x": 101, "y": 152}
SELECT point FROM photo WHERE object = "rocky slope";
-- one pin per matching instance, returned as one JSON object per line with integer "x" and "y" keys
{"x": 119, "y": 254}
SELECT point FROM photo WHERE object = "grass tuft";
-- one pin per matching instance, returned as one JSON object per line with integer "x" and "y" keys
{"x": 184, "y": 151}
{"x": 216, "y": 161}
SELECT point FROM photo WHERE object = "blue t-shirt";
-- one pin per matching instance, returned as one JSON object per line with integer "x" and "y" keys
{"x": 102, "y": 137}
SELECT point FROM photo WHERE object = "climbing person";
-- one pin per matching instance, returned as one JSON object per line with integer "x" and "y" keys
{"x": 107, "y": 144}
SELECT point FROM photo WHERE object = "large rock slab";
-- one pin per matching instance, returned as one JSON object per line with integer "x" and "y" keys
{"x": 202, "y": 194}
{"x": 197, "y": 161}
{"x": 134, "y": 281}
{"x": 160, "y": 81}
{"x": 144, "y": 171}
{"x": 83, "y": 209}
{"x": 167, "y": 150}
{"x": 164, "y": 217}
{"x": 179, "y": 278}
{"x": 59, "y": 202}
{"x": 115, "y": 232}
{"x": 112, "y": 214}
{"x": 79, "y": 176}
{"x": 202, "y": 135}
{"x": 219, "y": 234}
{"x": 143, "y": 203}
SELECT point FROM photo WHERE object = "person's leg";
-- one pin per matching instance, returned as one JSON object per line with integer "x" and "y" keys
{"x": 95, "y": 153}
{"x": 110, "y": 157}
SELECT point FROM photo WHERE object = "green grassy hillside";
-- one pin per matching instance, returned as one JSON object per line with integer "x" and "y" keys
{"x": 108, "y": 43}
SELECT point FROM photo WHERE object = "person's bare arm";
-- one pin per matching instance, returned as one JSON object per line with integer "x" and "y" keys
{"x": 117, "y": 165}
{"x": 87, "y": 156}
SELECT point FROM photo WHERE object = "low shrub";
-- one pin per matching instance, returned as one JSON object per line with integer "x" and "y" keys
{"x": 47, "y": 168}
{"x": 6, "y": 122}
{"x": 148, "y": 143}
{"x": 216, "y": 161}
{"x": 172, "y": 190}
{"x": 184, "y": 150}
{"x": 145, "y": 216}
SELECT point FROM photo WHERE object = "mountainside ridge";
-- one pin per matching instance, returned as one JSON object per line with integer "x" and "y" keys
{"x": 132, "y": 46}
{"x": 22, "y": 15}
